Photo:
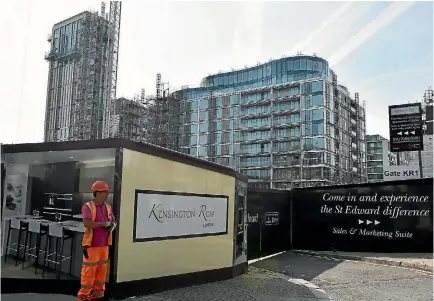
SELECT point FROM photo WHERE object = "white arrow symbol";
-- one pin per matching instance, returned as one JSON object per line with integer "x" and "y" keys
{"x": 360, "y": 222}
{"x": 399, "y": 133}
{"x": 376, "y": 222}
{"x": 413, "y": 132}
{"x": 406, "y": 133}
{"x": 368, "y": 222}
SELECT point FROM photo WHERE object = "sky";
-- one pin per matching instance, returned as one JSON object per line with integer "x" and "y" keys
{"x": 383, "y": 50}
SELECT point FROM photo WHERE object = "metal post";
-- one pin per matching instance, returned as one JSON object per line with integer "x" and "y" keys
{"x": 260, "y": 236}
{"x": 420, "y": 164}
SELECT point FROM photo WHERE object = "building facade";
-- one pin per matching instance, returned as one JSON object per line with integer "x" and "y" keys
{"x": 378, "y": 156}
{"x": 286, "y": 123}
{"x": 82, "y": 76}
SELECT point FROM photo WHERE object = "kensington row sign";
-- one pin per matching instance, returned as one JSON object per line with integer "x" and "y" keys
{"x": 160, "y": 215}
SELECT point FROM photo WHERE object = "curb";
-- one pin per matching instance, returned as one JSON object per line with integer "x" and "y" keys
{"x": 319, "y": 293}
{"x": 391, "y": 262}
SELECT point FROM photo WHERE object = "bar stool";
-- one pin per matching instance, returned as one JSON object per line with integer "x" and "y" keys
{"x": 58, "y": 232}
{"x": 20, "y": 226}
{"x": 35, "y": 227}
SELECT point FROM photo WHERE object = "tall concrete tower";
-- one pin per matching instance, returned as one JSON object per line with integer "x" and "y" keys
{"x": 82, "y": 76}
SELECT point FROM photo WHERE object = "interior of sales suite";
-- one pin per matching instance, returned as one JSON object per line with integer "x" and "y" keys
{"x": 53, "y": 186}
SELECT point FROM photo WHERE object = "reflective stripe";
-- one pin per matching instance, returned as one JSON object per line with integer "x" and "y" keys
{"x": 97, "y": 293}
{"x": 103, "y": 261}
{"x": 87, "y": 286}
{"x": 90, "y": 263}
{"x": 99, "y": 282}
{"x": 88, "y": 232}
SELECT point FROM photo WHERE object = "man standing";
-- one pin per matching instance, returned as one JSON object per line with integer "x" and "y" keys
{"x": 98, "y": 222}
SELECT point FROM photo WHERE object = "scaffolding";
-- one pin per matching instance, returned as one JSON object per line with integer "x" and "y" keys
{"x": 164, "y": 116}
{"x": 92, "y": 60}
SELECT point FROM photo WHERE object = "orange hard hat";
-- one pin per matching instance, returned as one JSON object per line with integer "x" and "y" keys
{"x": 99, "y": 186}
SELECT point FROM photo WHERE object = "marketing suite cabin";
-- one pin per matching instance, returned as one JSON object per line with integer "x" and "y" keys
{"x": 179, "y": 217}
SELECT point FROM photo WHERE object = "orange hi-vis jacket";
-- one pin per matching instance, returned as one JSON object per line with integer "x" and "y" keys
{"x": 88, "y": 232}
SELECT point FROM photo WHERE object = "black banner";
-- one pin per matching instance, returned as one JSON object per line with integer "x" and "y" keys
{"x": 377, "y": 217}
{"x": 268, "y": 221}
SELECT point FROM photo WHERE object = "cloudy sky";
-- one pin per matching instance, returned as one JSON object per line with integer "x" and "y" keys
{"x": 383, "y": 50}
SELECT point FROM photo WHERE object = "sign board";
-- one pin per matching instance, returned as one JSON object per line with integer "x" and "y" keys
{"x": 374, "y": 217}
{"x": 160, "y": 215}
{"x": 401, "y": 172}
{"x": 405, "y": 127}
{"x": 271, "y": 218}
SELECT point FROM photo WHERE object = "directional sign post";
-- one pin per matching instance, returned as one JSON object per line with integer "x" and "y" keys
{"x": 405, "y": 127}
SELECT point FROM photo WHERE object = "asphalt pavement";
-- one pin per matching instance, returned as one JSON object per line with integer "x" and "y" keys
{"x": 257, "y": 285}
{"x": 346, "y": 280}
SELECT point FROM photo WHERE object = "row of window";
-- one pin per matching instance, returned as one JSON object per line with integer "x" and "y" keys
{"x": 375, "y": 170}
{"x": 226, "y": 137}
{"x": 255, "y": 161}
{"x": 278, "y": 67}
{"x": 314, "y": 88}
{"x": 315, "y": 116}
{"x": 237, "y": 111}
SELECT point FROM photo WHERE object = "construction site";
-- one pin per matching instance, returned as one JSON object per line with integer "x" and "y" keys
{"x": 82, "y": 79}
{"x": 152, "y": 119}
{"x": 286, "y": 123}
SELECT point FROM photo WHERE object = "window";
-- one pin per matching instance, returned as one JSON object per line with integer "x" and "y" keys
{"x": 318, "y": 114}
{"x": 56, "y": 40}
{"x": 317, "y": 100}
{"x": 203, "y": 139}
{"x": 203, "y": 151}
{"x": 203, "y": 104}
{"x": 317, "y": 86}
{"x": 203, "y": 116}
{"x": 233, "y": 99}
{"x": 57, "y": 172}
{"x": 74, "y": 34}
{"x": 203, "y": 127}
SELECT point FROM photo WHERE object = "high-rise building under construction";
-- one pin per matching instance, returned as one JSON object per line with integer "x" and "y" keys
{"x": 82, "y": 77}
{"x": 286, "y": 123}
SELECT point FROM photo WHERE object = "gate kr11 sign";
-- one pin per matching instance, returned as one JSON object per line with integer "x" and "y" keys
{"x": 405, "y": 127}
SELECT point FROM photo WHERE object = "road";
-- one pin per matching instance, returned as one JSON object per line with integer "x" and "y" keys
{"x": 351, "y": 280}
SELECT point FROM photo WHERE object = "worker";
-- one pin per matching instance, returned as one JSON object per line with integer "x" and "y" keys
{"x": 99, "y": 223}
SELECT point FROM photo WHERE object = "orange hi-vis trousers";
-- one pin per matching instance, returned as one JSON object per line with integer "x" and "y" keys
{"x": 93, "y": 273}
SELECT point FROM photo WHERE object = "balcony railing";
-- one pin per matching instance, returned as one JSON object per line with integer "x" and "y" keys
{"x": 52, "y": 55}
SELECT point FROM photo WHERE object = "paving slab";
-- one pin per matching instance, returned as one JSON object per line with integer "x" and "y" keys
{"x": 256, "y": 285}
{"x": 419, "y": 261}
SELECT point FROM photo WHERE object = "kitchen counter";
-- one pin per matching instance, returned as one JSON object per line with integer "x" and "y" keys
{"x": 74, "y": 226}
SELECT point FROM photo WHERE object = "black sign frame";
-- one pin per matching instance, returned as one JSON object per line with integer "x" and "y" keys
{"x": 405, "y": 130}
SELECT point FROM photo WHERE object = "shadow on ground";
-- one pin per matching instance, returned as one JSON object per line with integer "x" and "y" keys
{"x": 297, "y": 266}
